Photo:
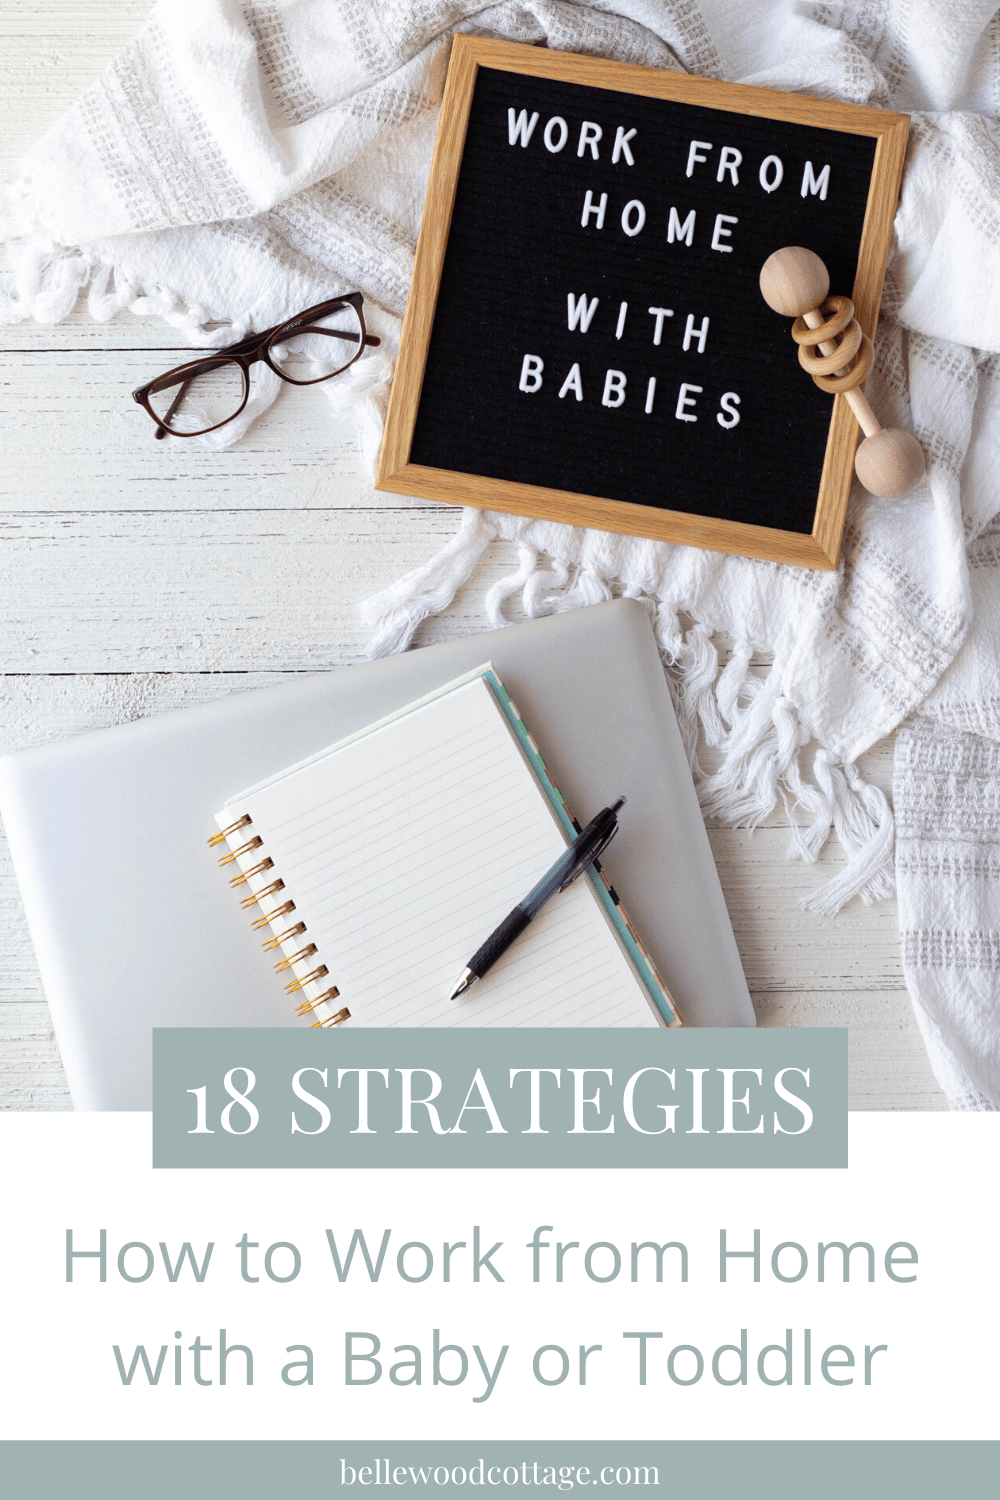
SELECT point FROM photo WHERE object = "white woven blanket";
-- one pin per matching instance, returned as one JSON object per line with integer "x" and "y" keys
{"x": 238, "y": 161}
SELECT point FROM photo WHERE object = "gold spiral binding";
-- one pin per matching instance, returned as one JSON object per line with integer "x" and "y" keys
{"x": 265, "y": 864}
{"x": 255, "y": 896}
{"x": 300, "y": 984}
{"x": 342, "y": 1015}
{"x": 220, "y": 838}
{"x": 254, "y": 843}
{"x": 282, "y": 937}
{"x": 259, "y": 923}
{"x": 287, "y": 963}
{"x": 324, "y": 999}
{"x": 268, "y": 918}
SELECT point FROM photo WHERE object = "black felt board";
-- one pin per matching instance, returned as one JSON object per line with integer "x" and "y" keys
{"x": 516, "y": 248}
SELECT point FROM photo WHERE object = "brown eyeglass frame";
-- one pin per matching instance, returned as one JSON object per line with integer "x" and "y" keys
{"x": 247, "y": 353}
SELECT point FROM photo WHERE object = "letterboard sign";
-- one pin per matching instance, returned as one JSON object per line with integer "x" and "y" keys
{"x": 585, "y": 338}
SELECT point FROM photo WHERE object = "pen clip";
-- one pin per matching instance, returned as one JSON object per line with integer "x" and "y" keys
{"x": 591, "y": 859}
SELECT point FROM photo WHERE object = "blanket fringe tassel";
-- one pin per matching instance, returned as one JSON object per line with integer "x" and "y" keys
{"x": 728, "y": 715}
{"x": 44, "y": 280}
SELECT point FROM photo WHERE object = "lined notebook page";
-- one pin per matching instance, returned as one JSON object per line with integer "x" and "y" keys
{"x": 405, "y": 848}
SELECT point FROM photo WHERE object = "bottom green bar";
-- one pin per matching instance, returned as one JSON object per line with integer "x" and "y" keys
{"x": 711, "y": 1470}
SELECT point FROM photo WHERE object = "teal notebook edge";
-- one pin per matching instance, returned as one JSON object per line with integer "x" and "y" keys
{"x": 604, "y": 891}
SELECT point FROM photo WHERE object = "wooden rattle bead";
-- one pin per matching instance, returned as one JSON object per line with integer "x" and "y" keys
{"x": 890, "y": 462}
{"x": 793, "y": 281}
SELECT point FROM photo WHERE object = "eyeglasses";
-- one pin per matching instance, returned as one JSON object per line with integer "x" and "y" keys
{"x": 207, "y": 393}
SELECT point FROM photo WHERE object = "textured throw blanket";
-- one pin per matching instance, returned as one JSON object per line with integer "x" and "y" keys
{"x": 238, "y": 161}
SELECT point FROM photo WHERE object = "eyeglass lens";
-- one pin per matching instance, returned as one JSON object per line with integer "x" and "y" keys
{"x": 320, "y": 348}
{"x": 196, "y": 401}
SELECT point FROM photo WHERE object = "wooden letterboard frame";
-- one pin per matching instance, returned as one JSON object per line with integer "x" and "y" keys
{"x": 687, "y": 422}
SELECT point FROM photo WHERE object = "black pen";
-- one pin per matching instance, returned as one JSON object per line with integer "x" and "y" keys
{"x": 585, "y": 848}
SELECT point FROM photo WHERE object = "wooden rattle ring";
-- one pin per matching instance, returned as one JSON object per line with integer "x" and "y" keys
{"x": 829, "y": 364}
{"x": 839, "y": 385}
{"x": 841, "y": 310}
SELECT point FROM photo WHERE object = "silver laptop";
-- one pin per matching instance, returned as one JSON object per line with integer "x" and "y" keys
{"x": 135, "y": 926}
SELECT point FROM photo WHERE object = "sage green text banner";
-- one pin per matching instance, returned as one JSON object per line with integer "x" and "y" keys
{"x": 437, "y": 1470}
{"x": 521, "y": 1097}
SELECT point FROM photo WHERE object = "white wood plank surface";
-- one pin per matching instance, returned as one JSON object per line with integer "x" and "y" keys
{"x": 138, "y": 576}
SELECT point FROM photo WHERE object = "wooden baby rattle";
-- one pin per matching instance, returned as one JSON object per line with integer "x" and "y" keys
{"x": 838, "y": 356}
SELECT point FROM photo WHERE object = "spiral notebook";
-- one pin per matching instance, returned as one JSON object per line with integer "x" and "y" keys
{"x": 377, "y": 867}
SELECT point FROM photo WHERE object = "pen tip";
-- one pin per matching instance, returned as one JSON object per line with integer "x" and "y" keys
{"x": 466, "y": 979}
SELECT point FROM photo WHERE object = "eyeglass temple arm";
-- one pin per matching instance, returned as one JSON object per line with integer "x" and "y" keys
{"x": 256, "y": 342}
{"x": 338, "y": 333}
{"x": 162, "y": 430}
